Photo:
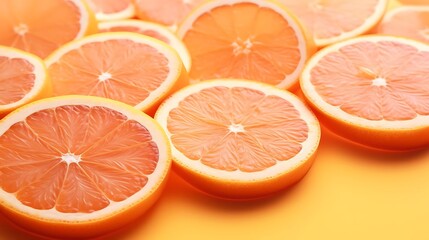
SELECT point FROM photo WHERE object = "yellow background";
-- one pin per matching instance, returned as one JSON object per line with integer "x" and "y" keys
{"x": 349, "y": 193}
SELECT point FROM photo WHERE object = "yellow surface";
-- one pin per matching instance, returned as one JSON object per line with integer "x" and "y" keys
{"x": 350, "y": 193}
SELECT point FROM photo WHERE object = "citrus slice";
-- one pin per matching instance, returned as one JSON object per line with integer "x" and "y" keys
{"x": 106, "y": 10}
{"x": 414, "y": 2}
{"x": 42, "y": 28}
{"x": 129, "y": 67}
{"x": 166, "y": 12}
{"x": 373, "y": 90}
{"x": 23, "y": 79}
{"x": 248, "y": 39}
{"x": 150, "y": 29}
{"x": 407, "y": 21}
{"x": 79, "y": 166}
{"x": 331, "y": 21}
{"x": 239, "y": 139}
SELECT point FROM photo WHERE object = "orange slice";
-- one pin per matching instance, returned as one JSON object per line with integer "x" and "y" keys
{"x": 166, "y": 12}
{"x": 42, "y": 28}
{"x": 414, "y": 2}
{"x": 128, "y": 67}
{"x": 150, "y": 29}
{"x": 239, "y": 139}
{"x": 248, "y": 39}
{"x": 23, "y": 79}
{"x": 112, "y": 9}
{"x": 78, "y": 166}
{"x": 407, "y": 21}
{"x": 372, "y": 90}
{"x": 331, "y": 21}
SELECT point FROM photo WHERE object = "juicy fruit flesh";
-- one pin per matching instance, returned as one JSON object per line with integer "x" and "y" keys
{"x": 329, "y": 18}
{"x": 24, "y": 24}
{"x": 118, "y": 69}
{"x": 236, "y": 129}
{"x": 16, "y": 79}
{"x": 76, "y": 158}
{"x": 375, "y": 80}
{"x": 408, "y": 23}
{"x": 233, "y": 41}
{"x": 147, "y": 32}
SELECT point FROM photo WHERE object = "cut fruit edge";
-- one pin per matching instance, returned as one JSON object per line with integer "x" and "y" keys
{"x": 307, "y": 47}
{"x": 309, "y": 146}
{"x": 156, "y": 179}
{"x": 311, "y": 95}
{"x": 126, "y": 13}
{"x": 175, "y": 43}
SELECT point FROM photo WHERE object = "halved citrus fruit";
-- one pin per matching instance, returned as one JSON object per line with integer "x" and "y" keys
{"x": 166, "y": 12}
{"x": 407, "y": 21}
{"x": 128, "y": 67}
{"x": 106, "y": 10}
{"x": 42, "y": 28}
{"x": 150, "y": 29}
{"x": 331, "y": 21}
{"x": 372, "y": 90}
{"x": 79, "y": 166}
{"x": 23, "y": 79}
{"x": 239, "y": 139}
{"x": 248, "y": 39}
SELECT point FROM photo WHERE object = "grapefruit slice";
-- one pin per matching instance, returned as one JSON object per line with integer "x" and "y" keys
{"x": 166, "y": 12}
{"x": 238, "y": 139}
{"x": 407, "y": 21}
{"x": 248, "y": 39}
{"x": 23, "y": 79}
{"x": 129, "y": 67}
{"x": 150, "y": 29}
{"x": 372, "y": 90}
{"x": 107, "y": 10}
{"x": 79, "y": 166}
{"x": 41, "y": 28}
{"x": 331, "y": 21}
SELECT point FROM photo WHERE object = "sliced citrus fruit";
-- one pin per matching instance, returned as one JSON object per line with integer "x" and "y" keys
{"x": 42, "y": 28}
{"x": 239, "y": 139}
{"x": 79, "y": 166}
{"x": 112, "y": 9}
{"x": 128, "y": 67}
{"x": 414, "y": 2}
{"x": 23, "y": 79}
{"x": 372, "y": 90}
{"x": 331, "y": 21}
{"x": 150, "y": 29}
{"x": 166, "y": 12}
{"x": 248, "y": 39}
{"x": 407, "y": 21}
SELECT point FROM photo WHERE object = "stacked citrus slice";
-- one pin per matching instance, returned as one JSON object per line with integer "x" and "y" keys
{"x": 77, "y": 166}
{"x": 331, "y": 21}
{"x": 257, "y": 40}
{"x": 407, "y": 21}
{"x": 239, "y": 139}
{"x": 23, "y": 79}
{"x": 41, "y": 28}
{"x": 129, "y": 67}
{"x": 373, "y": 90}
{"x": 107, "y": 10}
{"x": 149, "y": 29}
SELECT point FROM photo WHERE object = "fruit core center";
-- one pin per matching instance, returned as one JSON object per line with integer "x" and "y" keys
{"x": 236, "y": 128}
{"x": 104, "y": 76}
{"x": 241, "y": 47}
{"x": 70, "y": 158}
{"x": 379, "y": 82}
{"x": 21, "y": 29}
